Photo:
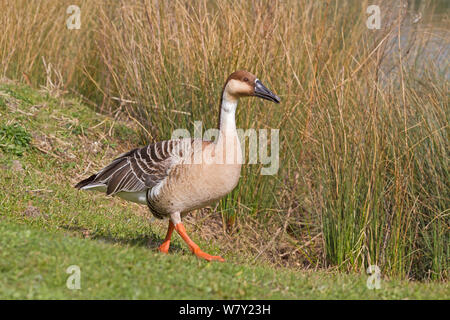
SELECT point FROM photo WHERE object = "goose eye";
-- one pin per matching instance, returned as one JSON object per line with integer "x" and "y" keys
{"x": 246, "y": 79}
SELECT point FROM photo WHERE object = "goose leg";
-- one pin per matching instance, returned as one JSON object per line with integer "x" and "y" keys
{"x": 179, "y": 227}
{"x": 164, "y": 247}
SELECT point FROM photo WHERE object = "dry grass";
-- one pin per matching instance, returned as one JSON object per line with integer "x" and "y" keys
{"x": 364, "y": 114}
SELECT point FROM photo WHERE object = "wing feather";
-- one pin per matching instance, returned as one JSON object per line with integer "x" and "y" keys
{"x": 138, "y": 169}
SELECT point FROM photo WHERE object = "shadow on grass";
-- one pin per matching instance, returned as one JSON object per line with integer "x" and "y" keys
{"x": 151, "y": 241}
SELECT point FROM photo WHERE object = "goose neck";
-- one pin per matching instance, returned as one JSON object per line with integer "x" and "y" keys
{"x": 227, "y": 123}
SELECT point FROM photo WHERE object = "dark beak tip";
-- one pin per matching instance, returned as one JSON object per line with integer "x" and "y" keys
{"x": 262, "y": 92}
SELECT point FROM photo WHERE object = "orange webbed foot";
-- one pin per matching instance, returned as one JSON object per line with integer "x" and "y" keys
{"x": 164, "y": 247}
{"x": 194, "y": 247}
{"x": 203, "y": 255}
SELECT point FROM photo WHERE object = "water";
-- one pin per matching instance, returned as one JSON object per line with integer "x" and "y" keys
{"x": 424, "y": 39}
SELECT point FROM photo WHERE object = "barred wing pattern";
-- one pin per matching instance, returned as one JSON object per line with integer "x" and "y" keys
{"x": 141, "y": 168}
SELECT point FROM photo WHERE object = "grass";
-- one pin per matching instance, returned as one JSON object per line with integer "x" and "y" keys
{"x": 46, "y": 226}
{"x": 364, "y": 116}
{"x": 117, "y": 271}
{"x": 14, "y": 139}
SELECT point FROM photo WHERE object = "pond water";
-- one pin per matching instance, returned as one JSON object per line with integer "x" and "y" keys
{"x": 424, "y": 38}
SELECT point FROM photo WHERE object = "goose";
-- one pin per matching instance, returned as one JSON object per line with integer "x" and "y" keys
{"x": 174, "y": 177}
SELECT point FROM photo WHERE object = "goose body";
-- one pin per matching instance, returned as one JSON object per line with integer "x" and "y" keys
{"x": 174, "y": 177}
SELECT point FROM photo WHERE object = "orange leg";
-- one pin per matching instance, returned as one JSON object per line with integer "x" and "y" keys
{"x": 193, "y": 246}
{"x": 164, "y": 247}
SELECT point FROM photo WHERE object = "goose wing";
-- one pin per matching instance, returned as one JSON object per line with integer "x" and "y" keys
{"x": 138, "y": 169}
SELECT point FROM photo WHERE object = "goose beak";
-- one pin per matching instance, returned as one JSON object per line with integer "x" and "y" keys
{"x": 262, "y": 92}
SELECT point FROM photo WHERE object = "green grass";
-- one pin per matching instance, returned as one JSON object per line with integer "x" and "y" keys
{"x": 14, "y": 139}
{"x": 33, "y": 265}
{"x": 46, "y": 226}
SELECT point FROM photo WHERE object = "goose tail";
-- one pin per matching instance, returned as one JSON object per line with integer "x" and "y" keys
{"x": 85, "y": 182}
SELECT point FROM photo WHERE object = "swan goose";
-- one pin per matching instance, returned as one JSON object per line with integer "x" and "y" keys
{"x": 175, "y": 177}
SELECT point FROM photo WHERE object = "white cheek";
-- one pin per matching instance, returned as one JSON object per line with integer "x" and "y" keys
{"x": 235, "y": 87}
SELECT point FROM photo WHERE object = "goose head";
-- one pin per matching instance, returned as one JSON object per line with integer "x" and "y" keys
{"x": 244, "y": 84}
